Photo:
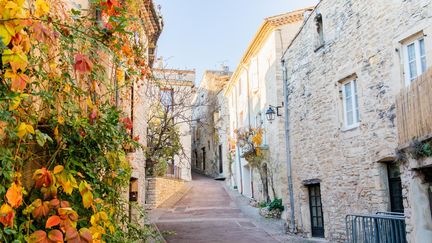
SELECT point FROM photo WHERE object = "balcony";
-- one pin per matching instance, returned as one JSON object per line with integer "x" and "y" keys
{"x": 414, "y": 110}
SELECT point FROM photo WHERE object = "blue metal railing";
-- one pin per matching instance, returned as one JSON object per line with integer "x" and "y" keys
{"x": 383, "y": 227}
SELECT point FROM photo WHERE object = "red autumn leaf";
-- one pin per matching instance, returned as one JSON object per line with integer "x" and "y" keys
{"x": 41, "y": 209}
{"x": 85, "y": 235}
{"x": 82, "y": 63}
{"x": 54, "y": 203}
{"x": 39, "y": 236}
{"x": 127, "y": 122}
{"x": 43, "y": 178}
{"x": 72, "y": 234}
{"x": 14, "y": 195}
{"x": 7, "y": 215}
{"x": 93, "y": 116}
{"x": 64, "y": 204}
{"x": 136, "y": 138}
{"x": 52, "y": 221}
{"x": 55, "y": 235}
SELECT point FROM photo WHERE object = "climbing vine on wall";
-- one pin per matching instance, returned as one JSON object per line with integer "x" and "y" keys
{"x": 62, "y": 139}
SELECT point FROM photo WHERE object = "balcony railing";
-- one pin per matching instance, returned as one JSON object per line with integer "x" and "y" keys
{"x": 414, "y": 110}
{"x": 383, "y": 227}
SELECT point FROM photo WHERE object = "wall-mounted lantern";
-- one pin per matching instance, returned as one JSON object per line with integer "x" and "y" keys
{"x": 271, "y": 113}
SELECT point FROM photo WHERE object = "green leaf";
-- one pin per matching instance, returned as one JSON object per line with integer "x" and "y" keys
{"x": 9, "y": 231}
{"x": 40, "y": 138}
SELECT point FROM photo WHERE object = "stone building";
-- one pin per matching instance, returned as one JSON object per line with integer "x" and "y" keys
{"x": 177, "y": 88}
{"x": 256, "y": 86}
{"x": 130, "y": 99}
{"x": 344, "y": 69}
{"x": 209, "y": 140}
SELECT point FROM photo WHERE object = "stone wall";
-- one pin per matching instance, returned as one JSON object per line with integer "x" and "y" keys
{"x": 208, "y": 120}
{"x": 361, "y": 41}
{"x": 160, "y": 189}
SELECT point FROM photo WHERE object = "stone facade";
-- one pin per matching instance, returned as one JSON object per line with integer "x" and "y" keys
{"x": 209, "y": 117}
{"x": 181, "y": 84}
{"x": 255, "y": 86}
{"x": 131, "y": 99}
{"x": 359, "y": 41}
{"x": 158, "y": 190}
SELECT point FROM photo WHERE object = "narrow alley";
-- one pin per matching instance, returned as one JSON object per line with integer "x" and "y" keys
{"x": 208, "y": 212}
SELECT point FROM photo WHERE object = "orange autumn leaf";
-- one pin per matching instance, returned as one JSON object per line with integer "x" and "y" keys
{"x": 111, "y": 6}
{"x": 55, "y": 236}
{"x": 14, "y": 195}
{"x": 19, "y": 81}
{"x": 82, "y": 63}
{"x": 52, "y": 221}
{"x": 43, "y": 178}
{"x": 7, "y": 215}
{"x": 39, "y": 236}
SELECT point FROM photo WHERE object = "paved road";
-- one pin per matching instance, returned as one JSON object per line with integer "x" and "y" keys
{"x": 206, "y": 213}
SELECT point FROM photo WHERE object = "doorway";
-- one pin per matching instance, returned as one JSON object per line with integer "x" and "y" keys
{"x": 317, "y": 219}
{"x": 220, "y": 160}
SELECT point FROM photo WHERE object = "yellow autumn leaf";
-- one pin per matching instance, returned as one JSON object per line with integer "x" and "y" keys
{"x": 60, "y": 120}
{"x": 41, "y": 8}
{"x": 16, "y": 58}
{"x": 24, "y": 129}
{"x": 58, "y": 169}
{"x": 15, "y": 103}
{"x": 67, "y": 88}
{"x": 67, "y": 187}
{"x": 89, "y": 103}
{"x": 5, "y": 35}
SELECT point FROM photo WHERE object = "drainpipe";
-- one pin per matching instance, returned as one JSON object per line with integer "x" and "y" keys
{"x": 292, "y": 227}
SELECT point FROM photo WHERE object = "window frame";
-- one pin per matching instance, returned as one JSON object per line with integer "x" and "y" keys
{"x": 355, "y": 104}
{"x": 417, "y": 58}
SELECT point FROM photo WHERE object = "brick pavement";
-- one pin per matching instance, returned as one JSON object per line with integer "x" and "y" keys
{"x": 206, "y": 213}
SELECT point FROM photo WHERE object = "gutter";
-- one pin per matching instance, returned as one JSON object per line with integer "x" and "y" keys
{"x": 292, "y": 226}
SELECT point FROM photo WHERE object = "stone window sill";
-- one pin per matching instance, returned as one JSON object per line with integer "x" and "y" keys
{"x": 350, "y": 128}
{"x": 319, "y": 47}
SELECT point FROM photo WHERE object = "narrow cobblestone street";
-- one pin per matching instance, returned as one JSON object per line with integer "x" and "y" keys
{"x": 206, "y": 212}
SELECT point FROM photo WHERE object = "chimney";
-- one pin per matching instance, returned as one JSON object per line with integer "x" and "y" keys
{"x": 225, "y": 68}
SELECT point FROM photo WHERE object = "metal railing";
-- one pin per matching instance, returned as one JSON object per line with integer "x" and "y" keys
{"x": 383, "y": 227}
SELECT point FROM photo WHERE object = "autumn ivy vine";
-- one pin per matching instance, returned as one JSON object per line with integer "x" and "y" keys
{"x": 62, "y": 138}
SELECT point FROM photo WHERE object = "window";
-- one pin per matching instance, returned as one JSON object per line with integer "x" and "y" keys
{"x": 350, "y": 104}
{"x": 415, "y": 60}
{"x": 320, "y": 31}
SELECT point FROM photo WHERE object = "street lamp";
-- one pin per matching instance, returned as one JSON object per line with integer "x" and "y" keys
{"x": 271, "y": 113}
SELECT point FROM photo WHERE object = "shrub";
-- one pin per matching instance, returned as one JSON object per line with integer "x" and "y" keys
{"x": 276, "y": 204}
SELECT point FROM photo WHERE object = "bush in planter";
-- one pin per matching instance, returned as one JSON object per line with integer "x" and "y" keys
{"x": 276, "y": 204}
{"x": 273, "y": 209}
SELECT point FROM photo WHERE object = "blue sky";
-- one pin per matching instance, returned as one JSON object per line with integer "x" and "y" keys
{"x": 204, "y": 34}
